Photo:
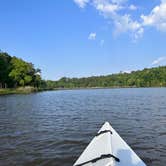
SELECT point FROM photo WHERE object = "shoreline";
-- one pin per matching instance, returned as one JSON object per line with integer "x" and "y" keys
{"x": 29, "y": 89}
{"x": 19, "y": 90}
{"x": 93, "y": 88}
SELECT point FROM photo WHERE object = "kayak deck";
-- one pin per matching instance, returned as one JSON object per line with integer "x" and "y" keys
{"x": 108, "y": 149}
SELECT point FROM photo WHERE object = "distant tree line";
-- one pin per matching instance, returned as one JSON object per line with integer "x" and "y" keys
{"x": 153, "y": 77}
{"x": 16, "y": 72}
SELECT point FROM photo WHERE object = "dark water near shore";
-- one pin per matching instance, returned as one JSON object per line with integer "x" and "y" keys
{"x": 52, "y": 128}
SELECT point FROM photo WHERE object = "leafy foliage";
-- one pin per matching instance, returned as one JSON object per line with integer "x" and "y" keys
{"x": 5, "y": 68}
{"x": 16, "y": 72}
{"x": 153, "y": 77}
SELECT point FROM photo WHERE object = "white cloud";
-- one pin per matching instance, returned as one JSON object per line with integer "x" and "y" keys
{"x": 126, "y": 24}
{"x": 123, "y": 23}
{"x": 126, "y": 71}
{"x": 108, "y": 8}
{"x": 138, "y": 34}
{"x": 132, "y": 7}
{"x": 101, "y": 43}
{"x": 92, "y": 36}
{"x": 81, "y": 3}
{"x": 157, "y": 17}
{"x": 115, "y": 11}
{"x": 159, "y": 60}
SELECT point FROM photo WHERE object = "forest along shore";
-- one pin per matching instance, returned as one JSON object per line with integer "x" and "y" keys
{"x": 19, "y": 76}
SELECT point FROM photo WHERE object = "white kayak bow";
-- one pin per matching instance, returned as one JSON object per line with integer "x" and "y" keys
{"x": 108, "y": 149}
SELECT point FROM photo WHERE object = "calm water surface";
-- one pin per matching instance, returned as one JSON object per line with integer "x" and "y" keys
{"x": 52, "y": 128}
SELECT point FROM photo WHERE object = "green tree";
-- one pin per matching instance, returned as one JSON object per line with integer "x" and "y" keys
{"x": 4, "y": 70}
{"x": 22, "y": 72}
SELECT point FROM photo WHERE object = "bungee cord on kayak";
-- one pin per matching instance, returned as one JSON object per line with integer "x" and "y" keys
{"x": 104, "y": 156}
{"x": 108, "y": 148}
{"x": 102, "y": 132}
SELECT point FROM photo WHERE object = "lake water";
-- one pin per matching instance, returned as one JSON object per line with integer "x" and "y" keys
{"x": 52, "y": 128}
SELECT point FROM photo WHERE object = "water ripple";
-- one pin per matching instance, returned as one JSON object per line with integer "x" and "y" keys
{"x": 52, "y": 128}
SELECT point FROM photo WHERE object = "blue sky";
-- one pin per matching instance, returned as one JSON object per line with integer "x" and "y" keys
{"x": 77, "y": 38}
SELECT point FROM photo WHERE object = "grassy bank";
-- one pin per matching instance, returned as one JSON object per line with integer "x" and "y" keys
{"x": 20, "y": 90}
{"x": 29, "y": 89}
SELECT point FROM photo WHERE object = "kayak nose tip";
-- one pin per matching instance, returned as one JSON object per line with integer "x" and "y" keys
{"x": 106, "y": 123}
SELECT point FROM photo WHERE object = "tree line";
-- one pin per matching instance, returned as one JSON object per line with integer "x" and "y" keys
{"x": 16, "y": 72}
{"x": 149, "y": 77}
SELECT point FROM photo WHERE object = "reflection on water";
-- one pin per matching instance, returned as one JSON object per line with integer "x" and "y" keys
{"x": 52, "y": 128}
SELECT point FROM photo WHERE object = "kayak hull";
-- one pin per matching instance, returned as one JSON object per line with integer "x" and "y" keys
{"x": 107, "y": 148}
